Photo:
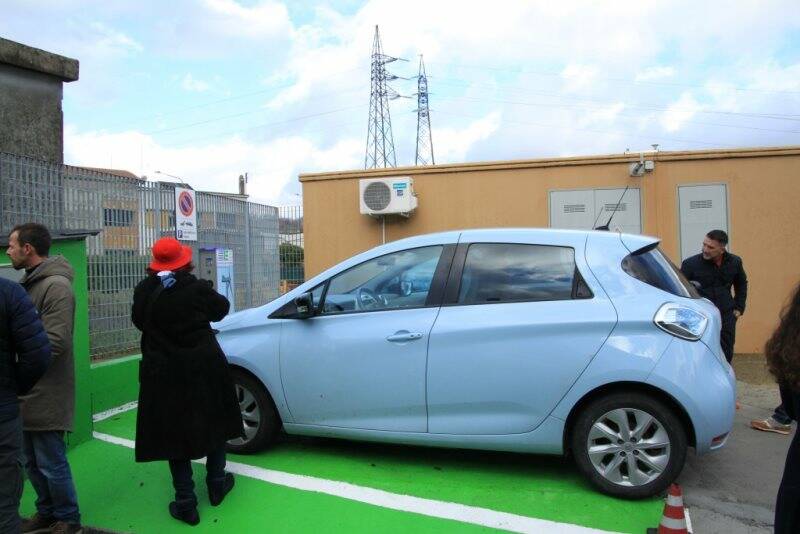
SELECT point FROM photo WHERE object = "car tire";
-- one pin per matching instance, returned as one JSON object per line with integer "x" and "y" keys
{"x": 263, "y": 424}
{"x": 640, "y": 466}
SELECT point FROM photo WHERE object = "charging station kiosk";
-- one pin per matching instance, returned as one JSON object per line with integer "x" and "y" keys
{"x": 216, "y": 264}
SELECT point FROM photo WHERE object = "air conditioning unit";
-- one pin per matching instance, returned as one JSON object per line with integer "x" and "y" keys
{"x": 387, "y": 196}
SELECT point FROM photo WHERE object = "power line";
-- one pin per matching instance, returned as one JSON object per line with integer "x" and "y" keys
{"x": 218, "y": 101}
{"x": 606, "y": 132}
{"x": 567, "y": 106}
{"x": 461, "y": 83}
{"x": 334, "y": 127}
{"x": 241, "y": 114}
{"x": 612, "y": 79}
{"x": 775, "y": 116}
{"x": 337, "y": 126}
{"x": 265, "y": 125}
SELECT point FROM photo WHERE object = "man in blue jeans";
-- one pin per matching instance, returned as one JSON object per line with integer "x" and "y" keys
{"x": 24, "y": 357}
{"x": 48, "y": 410}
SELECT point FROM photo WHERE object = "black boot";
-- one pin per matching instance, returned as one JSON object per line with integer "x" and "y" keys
{"x": 185, "y": 511}
{"x": 219, "y": 488}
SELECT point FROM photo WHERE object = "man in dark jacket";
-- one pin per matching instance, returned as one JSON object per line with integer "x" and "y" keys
{"x": 717, "y": 270}
{"x": 48, "y": 410}
{"x": 24, "y": 357}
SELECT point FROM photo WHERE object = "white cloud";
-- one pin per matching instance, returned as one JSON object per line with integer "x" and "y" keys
{"x": 605, "y": 114}
{"x": 452, "y": 144}
{"x": 773, "y": 77}
{"x": 533, "y": 78}
{"x": 578, "y": 77}
{"x": 679, "y": 112}
{"x": 272, "y": 165}
{"x": 724, "y": 96}
{"x": 190, "y": 83}
{"x": 588, "y": 45}
{"x": 107, "y": 41}
{"x": 265, "y": 18}
{"x": 654, "y": 73}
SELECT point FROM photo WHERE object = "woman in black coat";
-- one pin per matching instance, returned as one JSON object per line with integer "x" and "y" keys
{"x": 187, "y": 401}
{"x": 783, "y": 359}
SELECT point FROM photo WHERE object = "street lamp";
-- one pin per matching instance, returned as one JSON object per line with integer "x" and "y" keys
{"x": 173, "y": 176}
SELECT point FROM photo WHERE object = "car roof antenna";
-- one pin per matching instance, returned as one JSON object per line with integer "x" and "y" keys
{"x": 607, "y": 226}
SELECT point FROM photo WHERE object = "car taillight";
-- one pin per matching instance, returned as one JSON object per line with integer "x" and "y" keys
{"x": 681, "y": 321}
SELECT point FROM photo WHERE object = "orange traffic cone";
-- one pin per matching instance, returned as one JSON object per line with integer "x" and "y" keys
{"x": 674, "y": 519}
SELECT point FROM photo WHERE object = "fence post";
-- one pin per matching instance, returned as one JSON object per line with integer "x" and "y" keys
{"x": 248, "y": 291}
{"x": 2, "y": 192}
{"x": 158, "y": 212}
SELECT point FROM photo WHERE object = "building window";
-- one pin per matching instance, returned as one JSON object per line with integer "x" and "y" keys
{"x": 117, "y": 217}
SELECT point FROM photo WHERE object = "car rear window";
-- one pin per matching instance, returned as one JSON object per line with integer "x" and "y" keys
{"x": 654, "y": 268}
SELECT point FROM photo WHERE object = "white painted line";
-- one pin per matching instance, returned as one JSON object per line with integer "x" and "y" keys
{"x": 688, "y": 521}
{"x": 114, "y": 411}
{"x": 115, "y": 440}
{"x": 395, "y": 501}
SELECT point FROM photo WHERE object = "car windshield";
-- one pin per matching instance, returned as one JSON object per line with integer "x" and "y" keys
{"x": 651, "y": 266}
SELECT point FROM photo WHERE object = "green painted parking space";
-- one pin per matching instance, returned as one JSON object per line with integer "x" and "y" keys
{"x": 117, "y": 494}
{"x": 532, "y": 486}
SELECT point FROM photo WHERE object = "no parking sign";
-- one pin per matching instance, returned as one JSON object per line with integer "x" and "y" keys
{"x": 185, "y": 215}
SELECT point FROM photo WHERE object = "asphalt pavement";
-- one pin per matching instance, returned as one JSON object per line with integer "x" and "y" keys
{"x": 733, "y": 490}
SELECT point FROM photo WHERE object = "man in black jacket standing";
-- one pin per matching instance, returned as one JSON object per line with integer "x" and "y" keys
{"x": 24, "y": 357}
{"x": 717, "y": 270}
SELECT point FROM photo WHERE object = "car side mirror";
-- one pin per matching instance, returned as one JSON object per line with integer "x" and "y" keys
{"x": 305, "y": 306}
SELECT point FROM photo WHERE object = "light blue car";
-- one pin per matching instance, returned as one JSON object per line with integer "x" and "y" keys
{"x": 526, "y": 340}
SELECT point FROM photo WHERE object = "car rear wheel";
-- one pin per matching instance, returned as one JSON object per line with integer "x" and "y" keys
{"x": 629, "y": 445}
{"x": 260, "y": 419}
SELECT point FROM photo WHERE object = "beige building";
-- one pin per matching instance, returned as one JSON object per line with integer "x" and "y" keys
{"x": 754, "y": 194}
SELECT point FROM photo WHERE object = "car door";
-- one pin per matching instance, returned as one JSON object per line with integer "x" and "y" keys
{"x": 361, "y": 361}
{"x": 521, "y": 319}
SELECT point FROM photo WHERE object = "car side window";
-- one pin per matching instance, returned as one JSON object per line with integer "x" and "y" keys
{"x": 398, "y": 280}
{"x": 503, "y": 272}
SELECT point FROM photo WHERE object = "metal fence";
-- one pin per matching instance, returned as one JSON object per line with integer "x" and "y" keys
{"x": 292, "y": 247}
{"x": 132, "y": 214}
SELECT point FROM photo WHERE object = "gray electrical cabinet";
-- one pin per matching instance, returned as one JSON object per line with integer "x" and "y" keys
{"x": 579, "y": 209}
{"x": 572, "y": 209}
{"x": 702, "y": 208}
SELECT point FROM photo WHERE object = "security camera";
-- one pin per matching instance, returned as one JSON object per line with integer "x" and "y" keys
{"x": 637, "y": 168}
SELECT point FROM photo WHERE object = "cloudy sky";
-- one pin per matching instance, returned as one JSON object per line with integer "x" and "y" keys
{"x": 209, "y": 89}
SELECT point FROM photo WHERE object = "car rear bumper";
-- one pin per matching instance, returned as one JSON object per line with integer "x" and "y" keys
{"x": 703, "y": 385}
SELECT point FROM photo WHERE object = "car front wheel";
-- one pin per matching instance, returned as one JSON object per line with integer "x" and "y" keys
{"x": 629, "y": 445}
{"x": 260, "y": 419}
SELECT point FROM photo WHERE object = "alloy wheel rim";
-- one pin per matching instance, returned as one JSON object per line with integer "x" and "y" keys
{"x": 251, "y": 414}
{"x": 628, "y": 447}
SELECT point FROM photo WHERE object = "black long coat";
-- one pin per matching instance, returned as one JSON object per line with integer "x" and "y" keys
{"x": 187, "y": 401}
{"x": 787, "y": 507}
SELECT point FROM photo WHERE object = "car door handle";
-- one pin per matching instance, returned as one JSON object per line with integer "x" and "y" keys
{"x": 400, "y": 337}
